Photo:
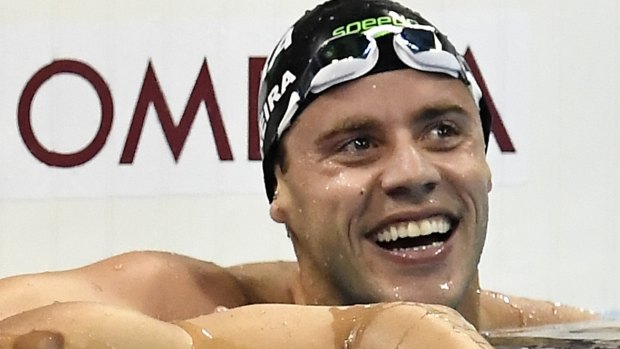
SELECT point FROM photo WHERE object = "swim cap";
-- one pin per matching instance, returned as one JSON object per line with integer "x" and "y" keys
{"x": 343, "y": 40}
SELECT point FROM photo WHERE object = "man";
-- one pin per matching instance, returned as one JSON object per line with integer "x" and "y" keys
{"x": 374, "y": 138}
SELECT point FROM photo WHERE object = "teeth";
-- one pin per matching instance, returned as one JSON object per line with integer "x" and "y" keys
{"x": 434, "y": 225}
{"x": 419, "y": 248}
{"x": 394, "y": 233}
{"x": 425, "y": 227}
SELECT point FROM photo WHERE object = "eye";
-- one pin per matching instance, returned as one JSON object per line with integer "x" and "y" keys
{"x": 357, "y": 150}
{"x": 443, "y": 135}
{"x": 443, "y": 130}
{"x": 357, "y": 144}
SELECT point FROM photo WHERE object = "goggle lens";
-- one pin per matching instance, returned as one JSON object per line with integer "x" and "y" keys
{"x": 356, "y": 46}
{"x": 418, "y": 39}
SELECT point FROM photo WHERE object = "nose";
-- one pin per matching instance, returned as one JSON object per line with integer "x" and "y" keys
{"x": 409, "y": 173}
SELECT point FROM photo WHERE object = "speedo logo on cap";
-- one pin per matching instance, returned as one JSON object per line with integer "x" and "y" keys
{"x": 367, "y": 23}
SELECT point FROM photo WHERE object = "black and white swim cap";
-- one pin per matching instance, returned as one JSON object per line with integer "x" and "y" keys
{"x": 343, "y": 40}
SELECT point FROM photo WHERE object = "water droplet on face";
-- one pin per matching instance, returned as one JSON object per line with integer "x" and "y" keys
{"x": 342, "y": 180}
{"x": 396, "y": 291}
{"x": 118, "y": 267}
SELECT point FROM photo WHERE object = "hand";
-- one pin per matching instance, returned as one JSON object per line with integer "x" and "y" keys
{"x": 412, "y": 325}
{"x": 89, "y": 325}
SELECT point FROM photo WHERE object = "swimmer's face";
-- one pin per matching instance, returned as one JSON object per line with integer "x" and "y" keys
{"x": 372, "y": 162}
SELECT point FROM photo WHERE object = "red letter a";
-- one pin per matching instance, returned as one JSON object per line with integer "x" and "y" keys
{"x": 497, "y": 124}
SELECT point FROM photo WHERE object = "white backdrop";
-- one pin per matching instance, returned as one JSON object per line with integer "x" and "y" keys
{"x": 551, "y": 67}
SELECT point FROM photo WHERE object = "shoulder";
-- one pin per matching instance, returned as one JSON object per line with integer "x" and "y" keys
{"x": 168, "y": 286}
{"x": 162, "y": 285}
{"x": 503, "y": 311}
{"x": 253, "y": 283}
{"x": 269, "y": 282}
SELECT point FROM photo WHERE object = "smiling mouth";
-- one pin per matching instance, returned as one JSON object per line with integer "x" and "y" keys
{"x": 415, "y": 236}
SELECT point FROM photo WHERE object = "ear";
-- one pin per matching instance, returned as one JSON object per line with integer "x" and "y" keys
{"x": 490, "y": 183}
{"x": 277, "y": 210}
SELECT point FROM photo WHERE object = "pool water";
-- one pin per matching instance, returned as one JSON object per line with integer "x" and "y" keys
{"x": 584, "y": 335}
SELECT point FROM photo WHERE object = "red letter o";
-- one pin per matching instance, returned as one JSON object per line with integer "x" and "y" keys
{"x": 52, "y": 158}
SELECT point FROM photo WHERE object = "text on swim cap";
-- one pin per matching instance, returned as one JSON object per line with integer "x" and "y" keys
{"x": 278, "y": 90}
{"x": 273, "y": 97}
{"x": 282, "y": 45}
{"x": 365, "y": 24}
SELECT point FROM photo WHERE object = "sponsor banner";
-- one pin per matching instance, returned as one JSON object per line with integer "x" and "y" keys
{"x": 108, "y": 99}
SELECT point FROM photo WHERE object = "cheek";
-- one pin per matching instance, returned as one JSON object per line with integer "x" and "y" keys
{"x": 327, "y": 181}
{"x": 471, "y": 178}
{"x": 330, "y": 196}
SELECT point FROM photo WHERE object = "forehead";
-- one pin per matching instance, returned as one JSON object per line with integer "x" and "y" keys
{"x": 387, "y": 96}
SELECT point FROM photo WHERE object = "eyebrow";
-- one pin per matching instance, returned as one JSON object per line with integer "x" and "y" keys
{"x": 431, "y": 113}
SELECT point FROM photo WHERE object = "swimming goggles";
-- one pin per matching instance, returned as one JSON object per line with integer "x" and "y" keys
{"x": 345, "y": 58}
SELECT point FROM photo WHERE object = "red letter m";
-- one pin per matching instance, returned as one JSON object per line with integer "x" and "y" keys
{"x": 176, "y": 134}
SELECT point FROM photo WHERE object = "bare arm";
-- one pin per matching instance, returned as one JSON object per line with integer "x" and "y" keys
{"x": 402, "y": 325}
{"x": 503, "y": 311}
{"x": 89, "y": 325}
{"x": 389, "y": 325}
{"x": 161, "y": 285}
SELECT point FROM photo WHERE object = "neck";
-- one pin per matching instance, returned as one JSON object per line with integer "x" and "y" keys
{"x": 308, "y": 290}
{"x": 469, "y": 306}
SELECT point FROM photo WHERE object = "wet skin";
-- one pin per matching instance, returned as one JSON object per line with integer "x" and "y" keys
{"x": 386, "y": 149}
{"x": 378, "y": 152}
